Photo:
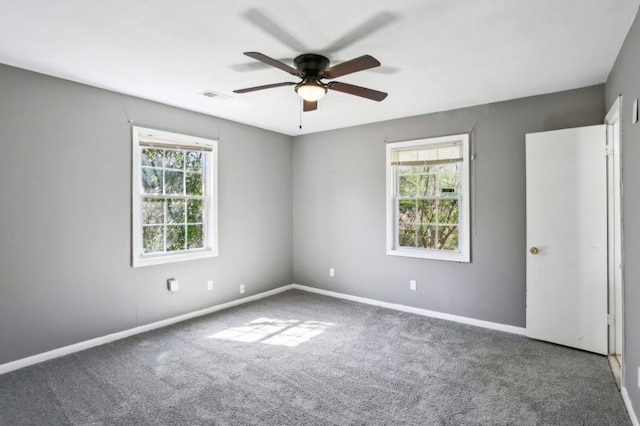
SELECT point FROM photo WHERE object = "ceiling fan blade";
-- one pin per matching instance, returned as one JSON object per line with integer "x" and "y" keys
{"x": 269, "y": 26}
{"x": 354, "y": 65}
{"x": 273, "y": 62}
{"x": 309, "y": 105}
{"x": 258, "y": 66}
{"x": 266, "y": 86}
{"x": 363, "y": 92}
{"x": 371, "y": 25}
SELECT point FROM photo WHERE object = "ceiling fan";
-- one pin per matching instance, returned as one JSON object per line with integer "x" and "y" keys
{"x": 312, "y": 69}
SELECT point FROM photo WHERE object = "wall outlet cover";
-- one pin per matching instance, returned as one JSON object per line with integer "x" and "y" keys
{"x": 332, "y": 272}
{"x": 210, "y": 285}
{"x": 241, "y": 288}
{"x": 172, "y": 284}
{"x": 412, "y": 285}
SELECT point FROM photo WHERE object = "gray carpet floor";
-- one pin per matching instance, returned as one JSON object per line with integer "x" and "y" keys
{"x": 303, "y": 359}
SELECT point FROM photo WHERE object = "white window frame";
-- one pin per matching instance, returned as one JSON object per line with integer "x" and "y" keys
{"x": 139, "y": 258}
{"x": 464, "y": 217}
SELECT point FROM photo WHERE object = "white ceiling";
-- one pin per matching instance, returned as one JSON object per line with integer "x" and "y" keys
{"x": 436, "y": 54}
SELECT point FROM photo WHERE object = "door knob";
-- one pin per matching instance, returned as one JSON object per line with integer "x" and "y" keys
{"x": 533, "y": 250}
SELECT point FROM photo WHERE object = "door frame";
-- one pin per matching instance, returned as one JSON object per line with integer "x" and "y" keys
{"x": 615, "y": 235}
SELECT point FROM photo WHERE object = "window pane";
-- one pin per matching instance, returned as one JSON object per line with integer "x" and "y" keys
{"x": 195, "y": 236}
{"x": 407, "y": 211}
{"x": 152, "y": 239}
{"x": 406, "y": 186}
{"x": 173, "y": 182}
{"x": 426, "y": 211}
{"x": 194, "y": 160}
{"x": 449, "y": 179}
{"x": 195, "y": 211}
{"x": 152, "y": 211}
{"x": 426, "y": 185}
{"x": 448, "y": 211}
{"x": 176, "y": 210}
{"x": 175, "y": 237}
{"x": 427, "y": 236}
{"x": 448, "y": 238}
{"x": 194, "y": 184}
{"x": 151, "y": 181}
{"x": 152, "y": 157}
{"x": 174, "y": 160}
{"x": 406, "y": 235}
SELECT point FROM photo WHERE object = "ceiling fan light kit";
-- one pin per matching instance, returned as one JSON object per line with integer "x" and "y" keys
{"x": 313, "y": 68}
{"x": 311, "y": 90}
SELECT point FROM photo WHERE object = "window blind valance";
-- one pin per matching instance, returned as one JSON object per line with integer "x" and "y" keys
{"x": 428, "y": 155}
{"x": 151, "y": 141}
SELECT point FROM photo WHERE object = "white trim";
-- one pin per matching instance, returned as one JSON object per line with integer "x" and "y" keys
{"x": 627, "y": 402}
{"x": 616, "y": 235}
{"x": 614, "y": 112}
{"x": 418, "y": 311}
{"x": 87, "y": 344}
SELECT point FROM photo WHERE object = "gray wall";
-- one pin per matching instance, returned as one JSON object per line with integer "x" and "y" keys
{"x": 625, "y": 79}
{"x": 339, "y": 207}
{"x": 65, "y": 200}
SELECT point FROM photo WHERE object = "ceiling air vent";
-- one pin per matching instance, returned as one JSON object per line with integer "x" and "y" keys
{"x": 215, "y": 95}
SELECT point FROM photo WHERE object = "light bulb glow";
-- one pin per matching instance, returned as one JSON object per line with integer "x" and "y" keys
{"x": 311, "y": 90}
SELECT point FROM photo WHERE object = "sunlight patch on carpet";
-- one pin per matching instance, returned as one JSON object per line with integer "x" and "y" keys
{"x": 274, "y": 332}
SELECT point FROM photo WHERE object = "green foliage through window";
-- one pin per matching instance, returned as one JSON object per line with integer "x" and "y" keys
{"x": 427, "y": 205}
{"x": 173, "y": 199}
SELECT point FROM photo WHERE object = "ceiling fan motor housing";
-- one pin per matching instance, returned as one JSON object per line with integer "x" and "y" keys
{"x": 310, "y": 64}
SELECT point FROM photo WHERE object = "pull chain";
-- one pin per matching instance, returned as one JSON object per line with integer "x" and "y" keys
{"x": 300, "y": 112}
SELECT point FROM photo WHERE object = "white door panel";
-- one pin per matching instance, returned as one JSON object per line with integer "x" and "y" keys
{"x": 567, "y": 224}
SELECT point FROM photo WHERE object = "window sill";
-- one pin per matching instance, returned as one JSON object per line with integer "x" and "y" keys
{"x": 172, "y": 258}
{"x": 430, "y": 254}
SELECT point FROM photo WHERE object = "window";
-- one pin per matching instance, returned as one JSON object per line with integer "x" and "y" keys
{"x": 428, "y": 198}
{"x": 174, "y": 197}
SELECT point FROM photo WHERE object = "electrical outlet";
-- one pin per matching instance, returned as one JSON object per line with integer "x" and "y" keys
{"x": 172, "y": 285}
{"x": 332, "y": 272}
{"x": 639, "y": 377}
{"x": 412, "y": 285}
{"x": 241, "y": 288}
{"x": 210, "y": 285}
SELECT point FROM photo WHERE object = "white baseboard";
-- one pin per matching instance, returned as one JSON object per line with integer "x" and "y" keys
{"x": 418, "y": 311}
{"x": 627, "y": 402}
{"x": 76, "y": 347}
{"x": 66, "y": 350}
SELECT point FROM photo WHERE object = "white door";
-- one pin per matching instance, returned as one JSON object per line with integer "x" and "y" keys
{"x": 567, "y": 237}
